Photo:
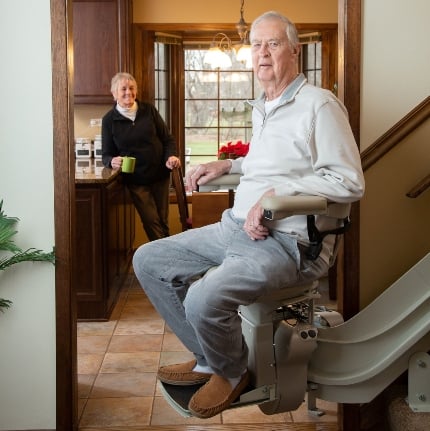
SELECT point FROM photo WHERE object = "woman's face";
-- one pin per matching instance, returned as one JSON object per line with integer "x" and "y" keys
{"x": 126, "y": 92}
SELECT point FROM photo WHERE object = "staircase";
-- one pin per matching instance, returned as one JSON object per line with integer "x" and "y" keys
{"x": 400, "y": 416}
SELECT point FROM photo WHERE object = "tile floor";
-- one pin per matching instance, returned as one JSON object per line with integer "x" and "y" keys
{"x": 117, "y": 386}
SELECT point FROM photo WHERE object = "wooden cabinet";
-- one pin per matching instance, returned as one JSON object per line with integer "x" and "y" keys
{"x": 104, "y": 246}
{"x": 101, "y": 41}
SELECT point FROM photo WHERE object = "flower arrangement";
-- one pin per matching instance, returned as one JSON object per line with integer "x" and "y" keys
{"x": 233, "y": 151}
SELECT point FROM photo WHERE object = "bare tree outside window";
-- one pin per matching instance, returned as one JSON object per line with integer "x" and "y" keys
{"x": 215, "y": 107}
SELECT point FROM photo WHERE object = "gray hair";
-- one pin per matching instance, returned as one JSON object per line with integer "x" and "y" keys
{"x": 290, "y": 28}
{"x": 118, "y": 77}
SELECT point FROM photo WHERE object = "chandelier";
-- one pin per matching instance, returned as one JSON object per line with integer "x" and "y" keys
{"x": 217, "y": 56}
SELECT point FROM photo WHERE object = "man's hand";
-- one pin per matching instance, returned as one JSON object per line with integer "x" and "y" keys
{"x": 253, "y": 225}
{"x": 201, "y": 174}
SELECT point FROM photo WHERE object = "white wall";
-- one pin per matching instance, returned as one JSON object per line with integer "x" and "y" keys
{"x": 395, "y": 63}
{"x": 27, "y": 330}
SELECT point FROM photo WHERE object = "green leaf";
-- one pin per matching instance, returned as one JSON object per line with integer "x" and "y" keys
{"x": 4, "y": 303}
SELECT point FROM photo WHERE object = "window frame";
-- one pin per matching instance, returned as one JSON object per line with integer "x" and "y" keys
{"x": 144, "y": 62}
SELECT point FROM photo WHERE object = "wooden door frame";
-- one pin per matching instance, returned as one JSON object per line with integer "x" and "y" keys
{"x": 64, "y": 195}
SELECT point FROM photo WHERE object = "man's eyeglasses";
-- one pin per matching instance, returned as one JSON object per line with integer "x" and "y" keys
{"x": 271, "y": 45}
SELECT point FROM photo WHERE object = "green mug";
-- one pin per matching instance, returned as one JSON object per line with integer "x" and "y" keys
{"x": 128, "y": 164}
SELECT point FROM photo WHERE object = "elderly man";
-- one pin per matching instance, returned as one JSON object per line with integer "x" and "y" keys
{"x": 301, "y": 144}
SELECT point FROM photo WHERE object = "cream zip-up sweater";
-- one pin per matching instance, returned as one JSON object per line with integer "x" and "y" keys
{"x": 304, "y": 145}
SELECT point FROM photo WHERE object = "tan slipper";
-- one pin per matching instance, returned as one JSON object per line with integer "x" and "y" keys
{"x": 182, "y": 374}
{"x": 215, "y": 396}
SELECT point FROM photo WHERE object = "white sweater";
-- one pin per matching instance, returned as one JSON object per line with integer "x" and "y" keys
{"x": 303, "y": 146}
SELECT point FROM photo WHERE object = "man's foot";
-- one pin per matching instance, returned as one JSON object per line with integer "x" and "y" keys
{"x": 182, "y": 374}
{"x": 216, "y": 395}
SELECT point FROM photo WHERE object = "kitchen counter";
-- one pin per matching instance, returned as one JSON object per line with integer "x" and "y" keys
{"x": 92, "y": 171}
{"x": 104, "y": 238}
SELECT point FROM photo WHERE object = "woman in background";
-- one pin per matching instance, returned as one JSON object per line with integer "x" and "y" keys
{"x": 136, "y": 129}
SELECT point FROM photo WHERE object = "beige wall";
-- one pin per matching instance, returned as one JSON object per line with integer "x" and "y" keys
{"x": 82, "y": 116}
{"x": 220, "y": 11}
{"x": 395, "y": 232}
{"x": 395, "y": 63}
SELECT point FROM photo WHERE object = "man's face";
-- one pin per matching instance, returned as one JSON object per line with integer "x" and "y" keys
{"x": 273, "y": 59}
{"x": 126, "y": 93}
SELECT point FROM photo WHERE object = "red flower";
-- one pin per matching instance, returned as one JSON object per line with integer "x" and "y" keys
{"x": 233, "y": 151}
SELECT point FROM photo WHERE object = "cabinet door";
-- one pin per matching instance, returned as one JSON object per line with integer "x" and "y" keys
{"x": 113, "y": 208}
{"x": 100, "y": 47}
{"x": 88, "y": 253}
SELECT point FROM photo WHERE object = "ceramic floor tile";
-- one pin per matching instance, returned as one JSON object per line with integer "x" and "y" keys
{"x": 131, "y": 312}
{"x": 137, "y": 300}
{"x": 136, "y": 289}
{"x": 167, "y": 358}
{"x": 172, "y": 343}
{"x": 135, "y": 343}
{"x": 81, "y": 406}
{"x": 164, "y": 414}
{"x": 96, "y": 328}
{"x": 119, "y": 385}
{"x": 115, "y": 412}
{"x": 93, "y": 343}
{"x": 85, "y": 383}
{"x": 89, "y": 363}
{"x": 135, "y": 327}
{"x": 138, "y": 362}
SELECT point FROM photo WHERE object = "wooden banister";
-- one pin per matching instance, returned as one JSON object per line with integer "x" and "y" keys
{"x": 421, "y": 187}
{"x": 398, "y": 132}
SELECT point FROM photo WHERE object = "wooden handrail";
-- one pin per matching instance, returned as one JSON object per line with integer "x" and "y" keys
{"x": 421, "y": 187}
{"x": 398, "y": 132}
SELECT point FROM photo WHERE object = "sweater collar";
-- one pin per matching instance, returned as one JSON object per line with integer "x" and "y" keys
{"x": 289, "y": 93}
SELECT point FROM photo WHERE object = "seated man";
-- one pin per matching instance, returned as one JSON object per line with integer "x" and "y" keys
{"x": 301, "y": 144}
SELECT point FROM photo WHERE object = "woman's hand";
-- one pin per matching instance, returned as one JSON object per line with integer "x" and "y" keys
{"x": 201, "y": 174}
{"x": 116, "y": 162}
{"x": 253, "y": 225}
{"x": 173, "y": 162}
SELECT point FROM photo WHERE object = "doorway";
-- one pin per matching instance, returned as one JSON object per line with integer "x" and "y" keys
{"x": 62, "y": 82}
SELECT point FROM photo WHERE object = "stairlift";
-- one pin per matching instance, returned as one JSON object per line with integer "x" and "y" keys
{"x": 295, "y": 348}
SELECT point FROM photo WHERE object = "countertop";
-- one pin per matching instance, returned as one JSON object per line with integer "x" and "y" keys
{"x": 91, "y": 171}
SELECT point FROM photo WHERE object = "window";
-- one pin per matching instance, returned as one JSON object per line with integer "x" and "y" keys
{"x": 205, "y": 108}
{"x": 216, "y": 111}
{"x": 161, "y": 99}
{"x": 311, "y": 62}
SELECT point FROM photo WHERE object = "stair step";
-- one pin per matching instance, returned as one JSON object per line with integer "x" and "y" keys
{"x": 402, "y": 418}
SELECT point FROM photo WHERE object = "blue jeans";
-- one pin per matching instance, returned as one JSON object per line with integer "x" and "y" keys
{"x": 202, "y": 307}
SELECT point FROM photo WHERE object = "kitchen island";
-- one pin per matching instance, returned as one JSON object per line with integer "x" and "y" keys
{"x": 104, "y": 238}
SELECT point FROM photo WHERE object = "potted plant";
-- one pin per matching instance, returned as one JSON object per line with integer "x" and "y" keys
{"x": 7, "y": 232}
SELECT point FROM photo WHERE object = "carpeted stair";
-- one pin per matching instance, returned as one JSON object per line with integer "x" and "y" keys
{"x": 400, "y": 416}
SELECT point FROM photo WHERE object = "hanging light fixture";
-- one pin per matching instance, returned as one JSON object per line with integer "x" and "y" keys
{"x": 217, "y": 56}
{"x": 244, "y": 52}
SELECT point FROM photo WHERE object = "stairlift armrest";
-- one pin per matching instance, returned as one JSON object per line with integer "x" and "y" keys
{"x": 224, "y": 182}
{"x": 277, "y": 207}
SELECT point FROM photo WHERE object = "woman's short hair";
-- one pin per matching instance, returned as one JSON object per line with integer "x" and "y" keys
{"x": 290, "y": 28}
{"x": 119, "y": 77}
